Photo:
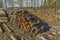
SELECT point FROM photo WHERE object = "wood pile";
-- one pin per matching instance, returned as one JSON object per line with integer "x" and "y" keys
{"x": 31, "y": 23}
{"x": 3, "y": 17}
{"x": 26, "y": 22}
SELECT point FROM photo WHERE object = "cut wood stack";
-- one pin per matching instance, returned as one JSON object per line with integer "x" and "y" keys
{"x": 3, "y": 17}
{"x": 27, "y": 22}
{"x": 31, "y": 23}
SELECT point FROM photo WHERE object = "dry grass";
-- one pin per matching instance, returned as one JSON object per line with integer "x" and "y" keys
{"x": 49, "y": 16}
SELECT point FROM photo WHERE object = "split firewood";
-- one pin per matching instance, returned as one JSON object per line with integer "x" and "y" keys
{"x": 12, "y": 37}
{"x": 5, "y": 26}
{"x": 25, "y": 27}
{"x": 3, "y": 21}
{"x": 34, "y": 30}
{"x": 3, "y": 18}
{"x": 2, "y": 13}
{"x": 30, "y": 23}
